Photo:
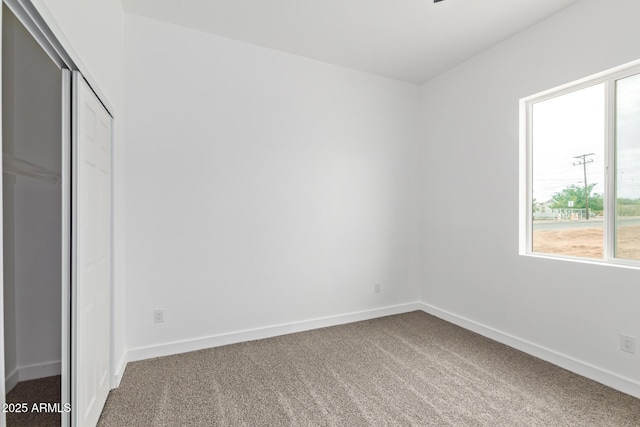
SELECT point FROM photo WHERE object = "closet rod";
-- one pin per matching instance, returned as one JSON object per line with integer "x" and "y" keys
{"x": 16, "y": 166}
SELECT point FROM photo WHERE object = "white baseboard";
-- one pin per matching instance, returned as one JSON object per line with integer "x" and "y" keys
{"x": 40, "y": 370}
{"x": 579, "y": 367}
{"x": 31, "y": 372}
{"x": 120, "y": 367}
{"x": 11, "y": 380}
{"x": 185, "y": 346}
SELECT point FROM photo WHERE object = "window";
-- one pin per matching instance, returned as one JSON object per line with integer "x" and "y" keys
{"x": 580, "y": 169}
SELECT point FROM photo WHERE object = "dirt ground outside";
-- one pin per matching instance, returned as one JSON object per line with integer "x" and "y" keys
{"x": 587, "y": 242}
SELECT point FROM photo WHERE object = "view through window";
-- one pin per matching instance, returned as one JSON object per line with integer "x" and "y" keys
{"x": 573, "y": 138}
{"x": 628, "y": 168}
{"x": 568, "y": 174}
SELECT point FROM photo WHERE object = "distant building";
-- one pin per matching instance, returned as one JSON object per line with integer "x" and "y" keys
{"x": 544, "y": 211}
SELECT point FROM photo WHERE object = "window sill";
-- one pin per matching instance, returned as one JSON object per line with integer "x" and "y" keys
{"x": 629, "y": 264}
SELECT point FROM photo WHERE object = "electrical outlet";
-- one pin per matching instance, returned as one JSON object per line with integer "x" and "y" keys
{"x": 376, "y": 288}
{"x": 628, "y": 344}
{"x": 158, "y": 316}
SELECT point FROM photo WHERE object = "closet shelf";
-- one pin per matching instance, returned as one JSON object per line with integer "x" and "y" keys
{"x": 16, "y": 166}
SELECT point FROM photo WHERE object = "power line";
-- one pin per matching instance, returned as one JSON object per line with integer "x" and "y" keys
{"x": 583, "y": 161}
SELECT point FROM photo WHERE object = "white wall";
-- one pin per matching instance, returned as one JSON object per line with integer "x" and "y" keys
{"x": 262, "y": 188}
{"x": 37, "y": 278}
{"x": 472, "y": 267}
{"x": 93, "y": 33}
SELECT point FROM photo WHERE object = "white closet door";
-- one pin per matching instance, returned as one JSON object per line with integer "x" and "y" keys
{"x": 91, "y": 253}
{"x": 65, "y": 184}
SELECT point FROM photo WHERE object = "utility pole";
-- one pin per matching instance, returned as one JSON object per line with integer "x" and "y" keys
{"x": 582, "y": 160}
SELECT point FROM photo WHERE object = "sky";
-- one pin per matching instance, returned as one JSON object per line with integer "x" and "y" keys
{"x": 574, "y": 124}
{"x": 564, "y": 127}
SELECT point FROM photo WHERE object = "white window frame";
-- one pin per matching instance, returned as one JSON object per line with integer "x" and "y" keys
{"x": 608, "y": 77}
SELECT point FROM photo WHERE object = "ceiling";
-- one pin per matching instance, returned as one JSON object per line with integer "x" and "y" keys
{"x": 408, "y": 40}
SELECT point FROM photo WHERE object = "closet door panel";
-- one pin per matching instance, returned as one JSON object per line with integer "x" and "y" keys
{"x": 92, "y": 256}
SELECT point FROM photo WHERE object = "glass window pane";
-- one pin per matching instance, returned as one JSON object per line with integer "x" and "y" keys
{"x": 628, "y": 167}
{"x": 568, "y": 134}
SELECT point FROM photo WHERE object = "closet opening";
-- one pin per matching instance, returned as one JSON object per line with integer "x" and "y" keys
{"x": 32, "y": 208}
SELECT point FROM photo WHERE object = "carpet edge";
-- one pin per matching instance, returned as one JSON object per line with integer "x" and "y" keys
{"x": 201, "y": 343}
{"x": 595, "y": 373}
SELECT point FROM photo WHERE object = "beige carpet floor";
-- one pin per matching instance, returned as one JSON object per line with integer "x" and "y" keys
{"x": 42, "y": 390}
{"x": 411, "y": 369}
